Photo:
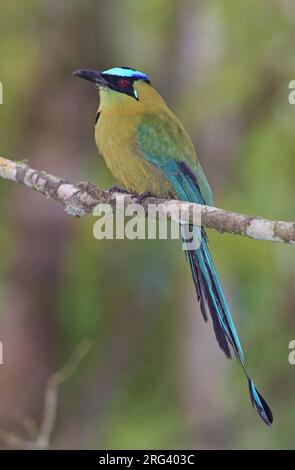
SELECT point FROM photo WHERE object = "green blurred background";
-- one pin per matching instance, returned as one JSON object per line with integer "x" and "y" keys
{"x": 155, "y": 377}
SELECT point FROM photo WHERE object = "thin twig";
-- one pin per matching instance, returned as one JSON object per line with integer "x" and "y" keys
{"x": 43, "y": 438}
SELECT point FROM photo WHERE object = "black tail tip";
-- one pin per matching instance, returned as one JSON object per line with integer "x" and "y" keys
{"x": 260, "y": 404}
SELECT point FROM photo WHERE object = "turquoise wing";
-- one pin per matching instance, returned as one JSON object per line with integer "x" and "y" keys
{"x": 164, "y": 143}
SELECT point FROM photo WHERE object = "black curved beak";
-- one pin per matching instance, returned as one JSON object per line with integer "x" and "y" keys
{"x": 92, "y": 76}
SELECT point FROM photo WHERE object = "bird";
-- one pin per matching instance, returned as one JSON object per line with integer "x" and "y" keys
{"x": 148, "y": 151}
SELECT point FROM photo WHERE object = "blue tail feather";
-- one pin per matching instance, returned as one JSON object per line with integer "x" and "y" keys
{"x": 210, "y": 294}
{"x": 203, "y": 298}
{"x": 231, "y": 327}
{"x": 260, "y": 404}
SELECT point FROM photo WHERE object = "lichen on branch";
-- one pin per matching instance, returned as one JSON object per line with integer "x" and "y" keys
{"x": 80, "y": 200}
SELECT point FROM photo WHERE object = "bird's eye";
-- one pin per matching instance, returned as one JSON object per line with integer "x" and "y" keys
{"x": 122, "y": 83}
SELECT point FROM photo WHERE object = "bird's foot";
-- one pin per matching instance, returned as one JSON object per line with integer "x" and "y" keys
{"x": 117, "y": 189}
{"x": 142, "y": 196}
{"x": 88, "y": 188}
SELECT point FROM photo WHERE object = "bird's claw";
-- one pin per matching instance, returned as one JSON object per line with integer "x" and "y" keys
{"x": 88, "y": 188}
{"x": 141, "y": 197}
{"x": 117, "y": 189}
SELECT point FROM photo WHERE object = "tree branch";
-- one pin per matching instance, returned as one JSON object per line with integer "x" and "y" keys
{"x": 80, "y": 200}
{"x": 41, "y": 440}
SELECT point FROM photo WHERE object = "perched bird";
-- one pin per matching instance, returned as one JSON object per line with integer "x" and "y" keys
{"x": 148, "y": 151}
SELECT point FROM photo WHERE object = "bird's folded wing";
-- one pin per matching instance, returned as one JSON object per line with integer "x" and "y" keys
{"x": 164, "y": 143}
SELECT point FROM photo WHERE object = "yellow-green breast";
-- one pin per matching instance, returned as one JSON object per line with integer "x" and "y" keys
{"x": 119, "y": 119}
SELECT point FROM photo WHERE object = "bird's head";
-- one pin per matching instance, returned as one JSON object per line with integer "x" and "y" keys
{"x": 119, "y": 81}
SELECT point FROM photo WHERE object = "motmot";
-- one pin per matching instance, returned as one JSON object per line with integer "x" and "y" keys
{"x": 148, "y": 151}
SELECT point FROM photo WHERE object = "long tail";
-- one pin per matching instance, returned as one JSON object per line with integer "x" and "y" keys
{"x": 212, "y": 300}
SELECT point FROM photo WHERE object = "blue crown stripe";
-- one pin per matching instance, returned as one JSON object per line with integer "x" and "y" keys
{"x": 118, "y": 71}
